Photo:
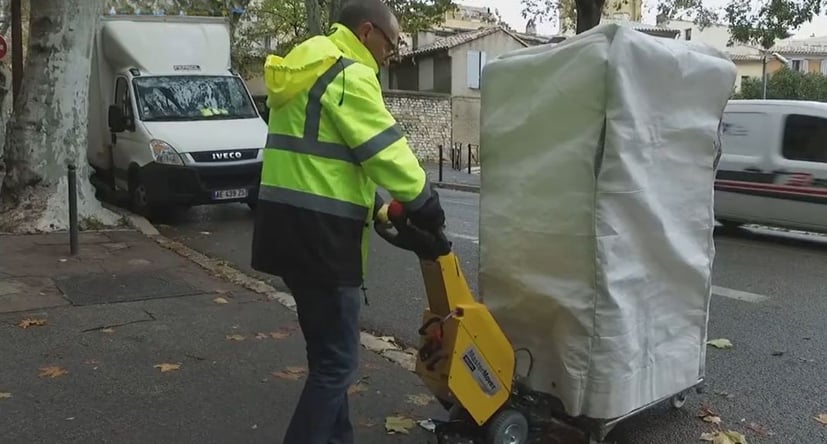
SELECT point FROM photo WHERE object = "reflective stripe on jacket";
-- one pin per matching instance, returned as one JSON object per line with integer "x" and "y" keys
{"x": 331, "y": 142}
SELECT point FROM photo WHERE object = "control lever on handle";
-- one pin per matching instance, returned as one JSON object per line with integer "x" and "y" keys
{"x": 426, "y": 244}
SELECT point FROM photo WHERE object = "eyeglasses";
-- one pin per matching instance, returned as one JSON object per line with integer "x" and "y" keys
{"x": 393, "y": 46}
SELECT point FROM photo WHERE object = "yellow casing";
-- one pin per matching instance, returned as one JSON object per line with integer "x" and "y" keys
{"x": 473, "y": 340}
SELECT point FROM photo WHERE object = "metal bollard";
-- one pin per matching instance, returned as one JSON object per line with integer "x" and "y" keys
{"x": 469, "y": 158}
{"x": 441, "y": 160}
{"x": 73, "y": 210}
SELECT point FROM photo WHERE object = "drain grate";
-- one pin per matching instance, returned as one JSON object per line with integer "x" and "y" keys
{"x": 107, "y": 288}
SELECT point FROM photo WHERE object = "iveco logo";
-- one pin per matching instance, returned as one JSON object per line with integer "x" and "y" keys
{"x": 227, "y": 155}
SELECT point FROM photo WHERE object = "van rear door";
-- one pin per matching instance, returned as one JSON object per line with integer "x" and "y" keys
{"x": 747, "y": 140}
{"x": 801, "y": 170}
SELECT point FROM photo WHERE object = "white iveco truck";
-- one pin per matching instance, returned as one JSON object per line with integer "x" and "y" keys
{"x": 170, "y": 123}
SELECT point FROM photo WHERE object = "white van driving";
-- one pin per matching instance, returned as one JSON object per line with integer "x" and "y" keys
{"x": 773, "y": 169}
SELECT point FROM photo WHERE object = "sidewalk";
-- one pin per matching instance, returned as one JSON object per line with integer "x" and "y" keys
{"x": 137, "y": 347}
{"x": 454, "y": 179}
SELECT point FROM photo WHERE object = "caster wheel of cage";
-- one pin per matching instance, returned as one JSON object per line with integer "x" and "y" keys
{"x": 507, "y": 427}
{"x": 678, "y": 401}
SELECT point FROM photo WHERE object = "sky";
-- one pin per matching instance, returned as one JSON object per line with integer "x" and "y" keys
{"x": 510, "y": 10}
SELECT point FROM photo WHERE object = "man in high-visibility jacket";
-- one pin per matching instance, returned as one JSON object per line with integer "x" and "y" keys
{"x": 331, "y": 142}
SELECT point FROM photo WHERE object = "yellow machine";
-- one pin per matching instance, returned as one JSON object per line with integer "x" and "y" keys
{"x": 464, "y": 358}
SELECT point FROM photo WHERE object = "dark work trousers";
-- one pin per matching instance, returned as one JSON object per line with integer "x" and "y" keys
{"x": 329, "y": 319}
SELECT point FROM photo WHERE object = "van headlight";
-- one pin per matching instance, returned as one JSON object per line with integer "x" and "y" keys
{"x": 165, "y": 153}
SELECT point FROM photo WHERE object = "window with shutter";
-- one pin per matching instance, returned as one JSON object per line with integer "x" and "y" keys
{"x": 473, "y": 69}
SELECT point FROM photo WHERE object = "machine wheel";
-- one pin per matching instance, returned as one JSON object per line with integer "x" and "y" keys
{"x": 678, "y": 401}
{"x": 507, "y": 427}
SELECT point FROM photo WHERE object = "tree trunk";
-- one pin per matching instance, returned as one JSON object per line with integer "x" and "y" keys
{"x": 49, "y": 126}
{"x": 314, "y": 16}
{"x": 333, "y": 8}
{"x": 588, "y": 14}
{"x": 5, "y": 85}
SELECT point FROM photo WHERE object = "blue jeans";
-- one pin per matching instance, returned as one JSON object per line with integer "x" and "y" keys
{"x": 329, "y": 319}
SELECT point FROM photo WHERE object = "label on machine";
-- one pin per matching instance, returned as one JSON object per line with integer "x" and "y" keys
{"x": 480, "y": 371}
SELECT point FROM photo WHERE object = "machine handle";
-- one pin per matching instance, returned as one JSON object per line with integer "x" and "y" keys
{"x": 427, "y": 245}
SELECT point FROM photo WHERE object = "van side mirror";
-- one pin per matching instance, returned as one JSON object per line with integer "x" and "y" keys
{"x": 117, "y": 121}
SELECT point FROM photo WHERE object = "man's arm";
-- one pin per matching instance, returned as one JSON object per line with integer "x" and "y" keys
{"x": 359, "y": 113}
{"x": 377, "y": 142}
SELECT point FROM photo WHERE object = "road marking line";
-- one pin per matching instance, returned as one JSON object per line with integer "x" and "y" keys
{"x": 473, "y": 239}
{"x": 738, "y": 295}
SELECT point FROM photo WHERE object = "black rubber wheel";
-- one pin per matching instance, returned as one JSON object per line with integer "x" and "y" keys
{"x": 678, "y": 401}
{"x": 138, "y": 197}
{"x": 507, "y": 427}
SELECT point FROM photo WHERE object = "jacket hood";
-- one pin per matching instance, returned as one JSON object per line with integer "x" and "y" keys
{"x": 285, "y": 77}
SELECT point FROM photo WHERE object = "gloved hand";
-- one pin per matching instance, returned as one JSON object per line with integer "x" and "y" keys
{"x": 424, "y": 244}
{"x": 430, "y": 217}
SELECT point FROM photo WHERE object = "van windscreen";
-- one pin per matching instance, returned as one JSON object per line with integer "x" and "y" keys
{"x": 177, "y": 98}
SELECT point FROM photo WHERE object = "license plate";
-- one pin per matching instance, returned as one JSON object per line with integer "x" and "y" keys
{"x": 229, "y": 194}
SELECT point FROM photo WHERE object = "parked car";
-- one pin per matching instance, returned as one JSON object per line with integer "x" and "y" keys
{"x": 773, "y": 170}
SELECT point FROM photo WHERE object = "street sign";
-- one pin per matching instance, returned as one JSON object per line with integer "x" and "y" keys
{"x": 4, "y": 48}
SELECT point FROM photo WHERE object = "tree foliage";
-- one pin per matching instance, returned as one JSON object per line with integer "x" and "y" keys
{"x": 787, "y": 84}
{"x": 586, "y": 14}
{"x": 278, "y": 25}
{"x": 771, "y": 21}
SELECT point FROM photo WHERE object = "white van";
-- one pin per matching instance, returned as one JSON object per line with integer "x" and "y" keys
{"x": 773, "y": 169}
{"x": 170, "y": 123}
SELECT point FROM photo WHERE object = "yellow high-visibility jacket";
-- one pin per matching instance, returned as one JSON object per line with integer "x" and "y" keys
{"x": 331, "y": 142}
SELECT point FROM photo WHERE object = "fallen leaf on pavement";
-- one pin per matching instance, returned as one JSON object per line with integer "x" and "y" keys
{"x": 235, "y": 337}
{"x": 291, "y": 373}
{"x": 398, "y": 424}
{"x": 712, "y": 419}
{"x": 357, "y": 388}
{"x": 422, "y": 399}
{"x": 220, "y": 300}
{"x": 31, "y": 322}
{"x": 759, "y": 429}
{"x": 5, "y": 395}
{"x": 720, "y": 343}
{"x": 108, "y": 330}
{"x": 706, "y": 411}
{"x": 822, "y": 418}
{"x": 727, "y": 437}
{"x": 52, "y": 372}
{"x": 279, "y": 334}
{"x": 725, "y": 394}
{"x": 167, "y": 367}
{"x": 707, "y": 436}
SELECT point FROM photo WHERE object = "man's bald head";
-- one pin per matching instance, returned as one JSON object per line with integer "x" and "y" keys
{"x": 374, "y": 23}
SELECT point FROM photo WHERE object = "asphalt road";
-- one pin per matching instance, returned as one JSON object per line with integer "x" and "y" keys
{"x": 773, "y": 309}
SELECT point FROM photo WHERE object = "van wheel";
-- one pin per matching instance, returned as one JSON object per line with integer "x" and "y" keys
{"x": 138, "y": 199}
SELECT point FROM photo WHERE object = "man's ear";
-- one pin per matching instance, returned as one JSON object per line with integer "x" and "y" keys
{"x": 363, "y": 30}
